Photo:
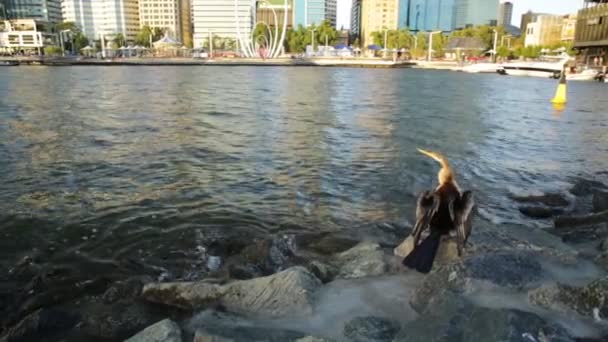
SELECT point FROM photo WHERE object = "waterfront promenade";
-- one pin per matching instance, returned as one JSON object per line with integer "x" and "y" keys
{"x": 321, "y": 62}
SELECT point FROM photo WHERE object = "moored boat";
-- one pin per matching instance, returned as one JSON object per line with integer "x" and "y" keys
{"x": 9, "y": 63}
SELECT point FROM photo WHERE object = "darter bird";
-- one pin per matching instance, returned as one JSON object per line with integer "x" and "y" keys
{"x": 441, "y": 211}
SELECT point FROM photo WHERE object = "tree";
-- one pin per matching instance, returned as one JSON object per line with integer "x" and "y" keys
{"x": 67, "y": 25}
{"x": 80, "y": 41}
{"x": 146, "y": 32}
{"x": 503, "y": 52}
{"x": 119, "y": 39}
{"x": 297, "y": 40}
{"x": 52, "y": 51}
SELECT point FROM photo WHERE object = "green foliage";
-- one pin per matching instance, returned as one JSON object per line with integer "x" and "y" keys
{"x": 119, "y": 40}
{"x": 80, "y": 41}
{"x": 395, "y": 39}
{"x": 67, "y": 25}
{"x": 503, "y": 51}
{"x": 484, "y": 32}
{"x": 143, "y": 37}
{"x": 52, "y": 51}
{"x": 297, "y": 39}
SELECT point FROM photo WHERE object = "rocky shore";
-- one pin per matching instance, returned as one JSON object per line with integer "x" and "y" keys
{"x": 550, "y": 285}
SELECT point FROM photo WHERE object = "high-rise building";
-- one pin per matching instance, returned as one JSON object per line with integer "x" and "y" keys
{"x": 468, "y": 13}
{"x": 377, "y": 16}
{"x": 314, "y": 12}
{"x": 426, "y": 15}
{"x": 355, "y": 18}
{"x": 41, "y": 10}
{"x": 172, "y": 16}
{"x": 568, "y": 28}
{"x": 103, "y": 17}
{"x": 220, "y": 18}
{"x": 505, "y": 13}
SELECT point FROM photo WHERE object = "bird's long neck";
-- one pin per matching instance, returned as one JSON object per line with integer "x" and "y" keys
{"x": 446, "y": 175}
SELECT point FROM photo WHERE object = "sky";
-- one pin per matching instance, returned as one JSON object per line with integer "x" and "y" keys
{"x": 519, "y": 7}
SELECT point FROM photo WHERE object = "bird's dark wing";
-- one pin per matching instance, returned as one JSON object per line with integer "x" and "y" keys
{"x": 426, "y": 207}
{"x": 461, "y": 212}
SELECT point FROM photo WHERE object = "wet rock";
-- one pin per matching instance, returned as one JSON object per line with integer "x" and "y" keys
{"x": 579, "y": 234}
{"x": 447, "y": 252}
{"x": 185, "y": 295}
{"x": 263, "y": 257}
{"x": 504, "y": 269}
{"x": 163, "y": 331}
{"x": 41, "y": 324}
{"x": 312, "y": 339}
{"x": 201, "y": 336}
{"x": 583, "y": 220}
{"x": 540, "y": 212}
{"x": 285, "y": 293}
{"x": 584, "y": 187}
{"x": 604, "y": 245}
{"x": 326, "y": 244}
{"x": 583, "y": 300}
{"x": 326, "y": 273}
{"x": 364, "y": 260}
{"x": 600, "y": 201}
{"x": 130, "y": 288}
{"x": 550, "y": 199}
{"x": 370, "y": 329}
{"x": 226, "y": 333}
{"x": 457, "y": 320}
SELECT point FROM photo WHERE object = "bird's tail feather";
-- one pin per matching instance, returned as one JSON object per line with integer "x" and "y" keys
{"x": 422, "y": 256}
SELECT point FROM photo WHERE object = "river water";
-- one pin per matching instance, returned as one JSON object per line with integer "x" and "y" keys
{"x": 112, "y": 162}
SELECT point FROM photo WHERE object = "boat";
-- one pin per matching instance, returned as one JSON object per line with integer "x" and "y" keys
{"x": 547, "y": 66}
{"x": 9, "y": 63}
{"x": 481, "y": 68}
{"x": 585, "y": 75}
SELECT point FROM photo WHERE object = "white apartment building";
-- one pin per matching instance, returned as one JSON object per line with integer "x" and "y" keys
{"x": 218, "y": 17}
{"x": 163, "y": 14}
{"x": 103, "y": 17}
{"x": 20, "y": 34}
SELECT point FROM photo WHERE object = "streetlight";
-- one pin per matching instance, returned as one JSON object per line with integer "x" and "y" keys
{"x": 431, "y": 44}
{"x": 61, "y": 41}
{"x": 385, "y": 33}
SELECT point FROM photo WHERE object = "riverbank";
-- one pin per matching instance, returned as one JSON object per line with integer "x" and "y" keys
{"x": 315, "y": 62}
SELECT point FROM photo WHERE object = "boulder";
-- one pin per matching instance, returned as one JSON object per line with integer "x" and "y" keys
{"x": 582, "y": 220}
{"x": 41, "y": 324}
{"x": 201, "y": 336}
{"x": 455, "y": 319}
{"x": 129, "y": 288}
{"x": 540, "y": 212}
{"x": 447, "y": 252}
{"x": 584, "y": 187}
{"x": 163, "y": 331}
{"x": 371, "y": 329}
{"x": 287, "y": 293}
{"x": 584, "y": 300}
{"x": 502, "y": 269}
{"x": 600, "y": 201}
{"x": 604, "y": 245}
{"x": 312, "y": 339}
{"x": 230, "y": 333}
{"x": 550, "y": 199}
{"x": 364, "y": 260}
{"x": 326, "y": 273}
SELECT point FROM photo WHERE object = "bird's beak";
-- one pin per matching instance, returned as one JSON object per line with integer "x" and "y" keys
{"x": 434, "y": 155}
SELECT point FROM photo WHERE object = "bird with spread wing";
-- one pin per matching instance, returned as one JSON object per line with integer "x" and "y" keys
{"x": 441, "y": 211}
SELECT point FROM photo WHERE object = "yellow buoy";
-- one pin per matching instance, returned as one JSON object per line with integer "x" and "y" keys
{"x": 560, "y": 94}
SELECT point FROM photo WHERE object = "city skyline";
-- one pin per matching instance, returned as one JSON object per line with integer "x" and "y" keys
{"x": 519, "y": 7}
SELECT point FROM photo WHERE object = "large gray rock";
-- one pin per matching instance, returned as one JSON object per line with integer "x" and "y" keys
{"x": 40, "y": 324}
{"x": 600, "y": 201}
{"x": 364, "y": 260}
{"x": 456, "y": 320}
{"x": 584, "y": 300}
{"x": 163, "y": 331}
{"x": 287, "y": 293}
{"x": 502, "y": 269}
{"x": 371, "y": 329}
{"x": 312, "y": 339}
{"x": 549, "y": 199}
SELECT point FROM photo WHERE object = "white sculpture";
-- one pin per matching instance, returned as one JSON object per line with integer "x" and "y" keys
{"x": 274, "y": 43}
